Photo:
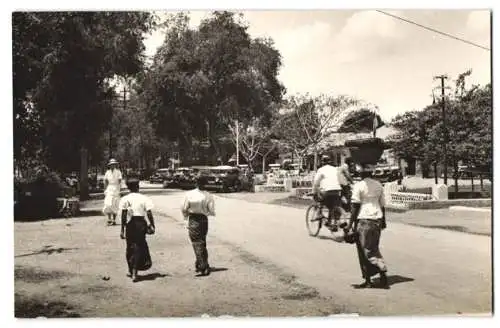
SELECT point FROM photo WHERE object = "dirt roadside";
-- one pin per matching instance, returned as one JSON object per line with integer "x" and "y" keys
{"x": 62, "y": 269}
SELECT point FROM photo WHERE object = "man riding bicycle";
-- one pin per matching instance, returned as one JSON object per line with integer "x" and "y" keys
{"x": 328, "y": 191}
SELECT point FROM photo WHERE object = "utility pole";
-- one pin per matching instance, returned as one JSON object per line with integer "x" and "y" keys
{"x": 237, "y": 143}
{"x": 110, "y": 150}
{"x": 445, "y": 132}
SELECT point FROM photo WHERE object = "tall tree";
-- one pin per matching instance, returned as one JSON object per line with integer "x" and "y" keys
{"x": 308, "y": 121}
{"x": 74, "y": 55}
{"x": 206, "y": 78}
{"x": 420, "y": 133}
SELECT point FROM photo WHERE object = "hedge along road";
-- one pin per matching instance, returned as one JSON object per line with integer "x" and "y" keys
{"x": 430, "y": 271}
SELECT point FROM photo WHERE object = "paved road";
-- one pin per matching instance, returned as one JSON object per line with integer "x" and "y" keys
{"x": 431, "y": 271}
{"x": 76, "y": 267}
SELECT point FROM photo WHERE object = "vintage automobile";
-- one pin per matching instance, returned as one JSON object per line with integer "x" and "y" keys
{"x": 223, "y": 178}
{"x": 387, "y": 173}
{"x": 160, "y": 175}
{"x": 184, "y": 178}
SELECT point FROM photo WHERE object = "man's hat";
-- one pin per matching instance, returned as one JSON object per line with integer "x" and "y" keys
{"x": 112, "y": 161}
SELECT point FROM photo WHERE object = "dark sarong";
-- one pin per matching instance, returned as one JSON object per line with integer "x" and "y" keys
{"x": 367, "y": 245}
{"x": 198, "y": 228}
{"x": 137, "y": 253}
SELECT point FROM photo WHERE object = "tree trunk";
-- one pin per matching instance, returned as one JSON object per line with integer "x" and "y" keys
{"x": 215, "y": 151}
{"x": 315, "y": 160}
{"x": 84, "y": 183}
{"x": 455, "y": 175}
{"x": 435, "y": 172}
{"x": 425, "y": 169}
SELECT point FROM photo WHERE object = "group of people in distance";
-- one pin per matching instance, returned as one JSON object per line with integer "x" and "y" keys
{"x": 331, "y": 187}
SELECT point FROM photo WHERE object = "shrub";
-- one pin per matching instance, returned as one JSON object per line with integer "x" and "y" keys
{"x": 36, "y": 194}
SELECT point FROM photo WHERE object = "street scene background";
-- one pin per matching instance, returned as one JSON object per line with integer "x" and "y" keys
{"x": 251, "y": 102}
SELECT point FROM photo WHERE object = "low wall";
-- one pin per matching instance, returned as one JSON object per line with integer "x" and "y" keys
{"x": 406, "y": 197}
{"x": 270, "y": 188}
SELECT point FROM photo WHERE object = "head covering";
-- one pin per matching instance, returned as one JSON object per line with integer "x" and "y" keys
{"x": 112, "y": 161}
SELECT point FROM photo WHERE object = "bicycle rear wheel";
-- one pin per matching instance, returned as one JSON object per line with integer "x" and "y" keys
{"x": 313, "y": 223}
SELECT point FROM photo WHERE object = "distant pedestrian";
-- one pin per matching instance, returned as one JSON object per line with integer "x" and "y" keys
{"x": 112, "y": 186}
{"x": 346, "y": 181}
{"x": 198, "y": 205}
{"x": 136, "y": 221}
{"x": 368, "y": 220}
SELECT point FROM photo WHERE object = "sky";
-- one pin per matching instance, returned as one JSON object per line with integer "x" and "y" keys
{"x": 368, "y": 55}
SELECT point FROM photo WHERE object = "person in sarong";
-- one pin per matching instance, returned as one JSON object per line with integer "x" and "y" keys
{"x": 136, "y": 221}
{"x": 368, "y": 220}
{"x": 197, "y": 206}
{"x": 112, "y": 186}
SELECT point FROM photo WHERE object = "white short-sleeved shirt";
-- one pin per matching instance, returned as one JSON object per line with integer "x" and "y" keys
{"x": 198, "y": 202}
{"x": 136, "y": 205}
{"x": 370, "y": 194}
{"x": 327, "y": 178}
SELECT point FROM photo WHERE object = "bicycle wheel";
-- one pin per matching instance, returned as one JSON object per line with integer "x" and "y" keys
{"x": 313, "y": 223}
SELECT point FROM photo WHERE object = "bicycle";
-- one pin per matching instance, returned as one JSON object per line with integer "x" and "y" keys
{"x": 314, "y": 222}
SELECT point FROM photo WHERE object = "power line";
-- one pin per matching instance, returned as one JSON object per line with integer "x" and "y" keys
{"x": 434, "y": 30}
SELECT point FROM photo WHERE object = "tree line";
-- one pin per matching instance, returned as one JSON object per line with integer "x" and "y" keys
{"x": 204, "y": 87}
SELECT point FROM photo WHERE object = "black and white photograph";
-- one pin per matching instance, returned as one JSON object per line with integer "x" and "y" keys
{"x": 242, "y": 163}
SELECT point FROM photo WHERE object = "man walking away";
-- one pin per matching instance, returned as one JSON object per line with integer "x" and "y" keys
{"x": 368, "y": 220}
{"x": 198, "y": 205}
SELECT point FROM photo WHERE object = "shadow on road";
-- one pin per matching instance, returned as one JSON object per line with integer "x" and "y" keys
{"x": 49, "y": 250}
{"x": 395, "y": 279}
{"x": 152, "y": 276}
{"x": 212, "y": 270}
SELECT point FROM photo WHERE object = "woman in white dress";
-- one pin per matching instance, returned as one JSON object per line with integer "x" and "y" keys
{"x": 112, "y": 186}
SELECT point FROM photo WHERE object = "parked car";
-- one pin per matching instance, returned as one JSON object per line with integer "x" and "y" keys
{"x": 182, "y": 177}
{"x": 223, "y": 178}
{"x": 160, "y": 175}
{"x": 387, "y": 173}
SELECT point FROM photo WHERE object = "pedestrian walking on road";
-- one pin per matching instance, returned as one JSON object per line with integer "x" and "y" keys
{"x": 137, "y": 221}
{"x": 368, "y": 220}
{"x": 198, "y": 205}
{"x": 112, "y": 186}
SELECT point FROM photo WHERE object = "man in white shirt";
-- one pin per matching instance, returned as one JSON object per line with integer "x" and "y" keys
{"x": 197, "y": 206}
{"x": 327, "y": 190}
{"x": 137, "y": 221}
{"x": 368, "y": 218}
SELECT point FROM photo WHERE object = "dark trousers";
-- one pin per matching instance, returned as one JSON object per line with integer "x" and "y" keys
{"x": 137, "y": 253}
{"x": 370, "y": 258}
{"x": 198, "y": 229}
{"x": 332, "y": 201}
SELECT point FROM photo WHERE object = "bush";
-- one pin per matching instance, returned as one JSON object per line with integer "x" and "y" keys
{"x": 36, "y": 194}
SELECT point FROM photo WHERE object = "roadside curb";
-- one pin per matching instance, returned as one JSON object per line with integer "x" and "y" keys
{"x": 471, "y": 209}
